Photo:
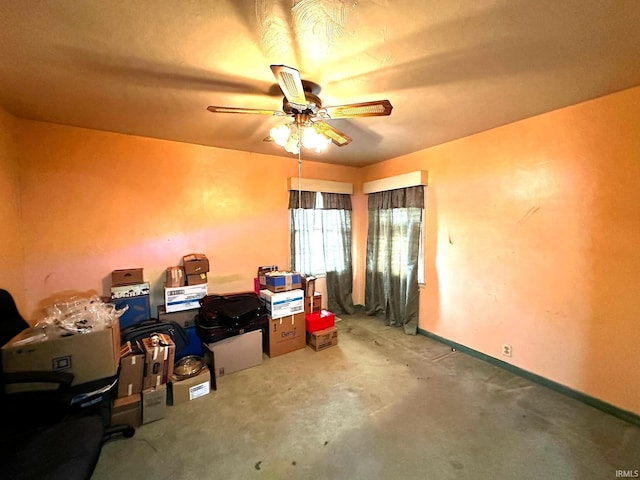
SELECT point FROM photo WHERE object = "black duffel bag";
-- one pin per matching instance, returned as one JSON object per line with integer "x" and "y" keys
{"x": 213, "y": 330}
{"x": 147, "y": 328}
{"x": 236, "y": 310}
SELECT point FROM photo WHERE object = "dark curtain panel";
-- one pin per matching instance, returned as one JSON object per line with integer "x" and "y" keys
{"x": 336, "y": 231}
{"x": 307, "y": 200}
{"x": 393, "y": 242}
{"x": 400, "y": 198}
{"x": 336, "y": 201}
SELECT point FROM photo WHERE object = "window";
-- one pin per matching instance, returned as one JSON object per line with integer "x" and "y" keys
{"x": 307, "y": 255}
{"x": 319, "y": 233}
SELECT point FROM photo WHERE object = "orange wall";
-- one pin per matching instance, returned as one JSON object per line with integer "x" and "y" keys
{"x": 11, "y": 251}
{"x": 95, "y": 201}
{"x": 532, "y": 240}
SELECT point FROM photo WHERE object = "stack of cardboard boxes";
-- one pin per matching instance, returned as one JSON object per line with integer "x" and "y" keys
{"x": 145, "y": 369}
{"x": 296, "y": 315}
{"x": 321, "y": 330}
{"x": 319, "y": 324}
{"x": 282, "y": 294}
{"x": 145, "y": 375}
{"x": 146, "y": 378}
{"x": 186, "y": 285}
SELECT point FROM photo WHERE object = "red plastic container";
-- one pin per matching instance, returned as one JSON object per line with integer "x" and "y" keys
{"x": 319, "y": 320}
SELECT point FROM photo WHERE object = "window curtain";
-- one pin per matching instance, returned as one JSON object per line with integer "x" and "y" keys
{"x": 321, "y": 243}
{"x": 336, "y": 232}
{"x": 393, "y": 247}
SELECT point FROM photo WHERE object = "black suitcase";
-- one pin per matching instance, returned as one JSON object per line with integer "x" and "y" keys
{"x": 236, "y": 310}
{"x": 211, "y": 331}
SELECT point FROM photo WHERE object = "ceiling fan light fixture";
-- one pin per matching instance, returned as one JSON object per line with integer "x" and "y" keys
{"x": 292, "y": 136}
{"x": 313, "y": 140}
{"x": 280, "y": 134}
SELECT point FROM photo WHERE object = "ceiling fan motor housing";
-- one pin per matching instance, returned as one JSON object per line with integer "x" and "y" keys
{"x": 313, "y": 105}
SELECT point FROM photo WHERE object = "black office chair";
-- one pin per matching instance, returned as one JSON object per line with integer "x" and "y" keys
{"x": 11, "y": 322}
{"x": 41, "y": 435}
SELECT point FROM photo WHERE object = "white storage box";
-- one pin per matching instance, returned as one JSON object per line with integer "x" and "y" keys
{"x": 283, "y": 304}
{"x": 187, "y": 297}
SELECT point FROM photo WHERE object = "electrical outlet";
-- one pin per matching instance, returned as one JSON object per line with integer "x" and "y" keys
{"x": 506, "y": 350}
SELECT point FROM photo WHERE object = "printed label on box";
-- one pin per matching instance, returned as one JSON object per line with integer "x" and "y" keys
{"x": 125, "y": 291}
{"x": 184, "y": 298}
{"x": 199, "y": 390}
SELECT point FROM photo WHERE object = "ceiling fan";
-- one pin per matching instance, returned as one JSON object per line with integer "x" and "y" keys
{"x": 301, "y": 102}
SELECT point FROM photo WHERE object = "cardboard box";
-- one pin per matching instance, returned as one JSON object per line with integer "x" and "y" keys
{"x": 283, "y": 303}
{"x": 182, "y": 391}
{"x": 159, "y": 360}
{"x": 184, "y": 318}
{"x": 196, "y": 279}
{"x": 235, "y": 353}
{"x": 282, "y": 281}
{"x": 174, "y": 277}
{"x": 89, "y": 356}
{"x": 286, "y": 334}
{"x": 319, "y": 320}
{"x": 184, "y": 298}
{"x": 192, "y": 257}
{"x": 195, "y": 263}
{"x": 322, "y": 339}
{"x": 138, "y": 310}
{"x": 131, "y": 374}
{"x": 127, "y": 411}
{"x": 128, "y": 276}
{"x": 125, "y": 291}
{"x": 313, "y": 304}
{"x": 154, "y": 403}
{"x": 308, "y": 286}
{"x": 262, "y": 271}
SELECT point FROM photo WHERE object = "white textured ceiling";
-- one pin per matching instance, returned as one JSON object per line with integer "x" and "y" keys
{"x": 450, "y": 68}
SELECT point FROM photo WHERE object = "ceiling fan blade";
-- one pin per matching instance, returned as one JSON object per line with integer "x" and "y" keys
{"x": 336, "y": 136}
{"x": 365, "y": 109}
{"x": 291, "y": 84}
{"x": 258, "y": 111}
